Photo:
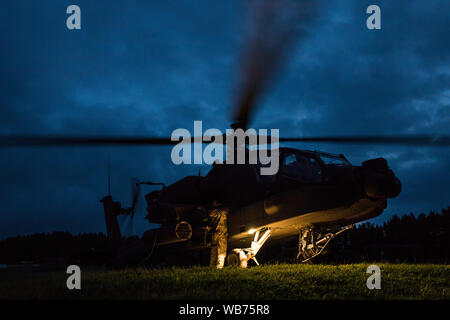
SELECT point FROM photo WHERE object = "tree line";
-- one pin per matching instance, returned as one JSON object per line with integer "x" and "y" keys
{"x": 409, "y": 238}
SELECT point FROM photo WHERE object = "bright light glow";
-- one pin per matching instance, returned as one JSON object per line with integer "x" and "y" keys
{"x": 251, "y": 231}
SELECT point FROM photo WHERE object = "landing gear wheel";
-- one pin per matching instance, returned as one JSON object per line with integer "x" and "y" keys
{"x": 233, "y": 259}
{"x": 311, "y": 243}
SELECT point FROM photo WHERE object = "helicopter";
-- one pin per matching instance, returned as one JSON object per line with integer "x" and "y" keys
{"x": 313, "y": 190}
{"x": 314, "y": 196}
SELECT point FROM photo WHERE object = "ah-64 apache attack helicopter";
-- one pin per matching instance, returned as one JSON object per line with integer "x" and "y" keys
{"x": 311, "y": 192}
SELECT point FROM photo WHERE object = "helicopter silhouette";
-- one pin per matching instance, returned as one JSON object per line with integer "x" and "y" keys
{"x": 311, "y": 192}
{"x": 314, "y": 196}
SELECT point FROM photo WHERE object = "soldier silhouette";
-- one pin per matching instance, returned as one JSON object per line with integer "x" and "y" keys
{"x": 218, "y": 218}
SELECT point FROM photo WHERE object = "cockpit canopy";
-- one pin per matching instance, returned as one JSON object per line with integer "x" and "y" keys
{"x": 307, "y": 166}
{"x": 331, "y": 159}
{"x": 301, "y": 167}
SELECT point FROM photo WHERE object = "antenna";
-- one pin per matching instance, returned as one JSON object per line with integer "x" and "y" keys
{"x": 109, "y": 174}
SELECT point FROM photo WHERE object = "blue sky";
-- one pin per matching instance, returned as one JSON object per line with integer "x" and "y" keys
{"x": 149, "y": 67}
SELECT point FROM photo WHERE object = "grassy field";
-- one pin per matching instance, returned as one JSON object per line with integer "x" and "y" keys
{"x": 398, "y": 281}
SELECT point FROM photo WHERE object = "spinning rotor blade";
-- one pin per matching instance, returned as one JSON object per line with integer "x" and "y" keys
{"x": 136, "y": 190}
{"x": 28, "y": 141}
{"x": 9, "y": 141}
{"x": 128, "y": 226}
{"x": 40, "y": 141}
{"x": 399, "y": 140}
{"x": 274, "y": 29}
{"x": 411, "y": 140}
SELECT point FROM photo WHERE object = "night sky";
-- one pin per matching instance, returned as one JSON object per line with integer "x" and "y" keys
{"x": 149, "y": 67}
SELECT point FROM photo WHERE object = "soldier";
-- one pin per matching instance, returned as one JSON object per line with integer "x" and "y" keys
{"x": 218, "y": 218}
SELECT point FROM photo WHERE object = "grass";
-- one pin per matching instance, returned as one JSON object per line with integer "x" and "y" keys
{"x": 398, "y": 281}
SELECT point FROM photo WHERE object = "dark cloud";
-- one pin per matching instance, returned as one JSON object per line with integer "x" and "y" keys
{"x": 141, "y": 67}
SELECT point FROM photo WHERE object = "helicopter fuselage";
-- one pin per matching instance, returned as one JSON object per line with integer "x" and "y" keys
{"x": 311, "y": 188}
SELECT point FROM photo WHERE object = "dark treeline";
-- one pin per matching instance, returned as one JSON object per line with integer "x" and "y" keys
{"x": 412, "y": 239}
{"x": 57, "y": 247}
{"x": 424, "y": 238}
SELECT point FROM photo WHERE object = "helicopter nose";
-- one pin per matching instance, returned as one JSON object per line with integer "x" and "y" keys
{"x": 382, "y": 185}
{"x": 379, "y": 181}
{"x": 396, "y": 188}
